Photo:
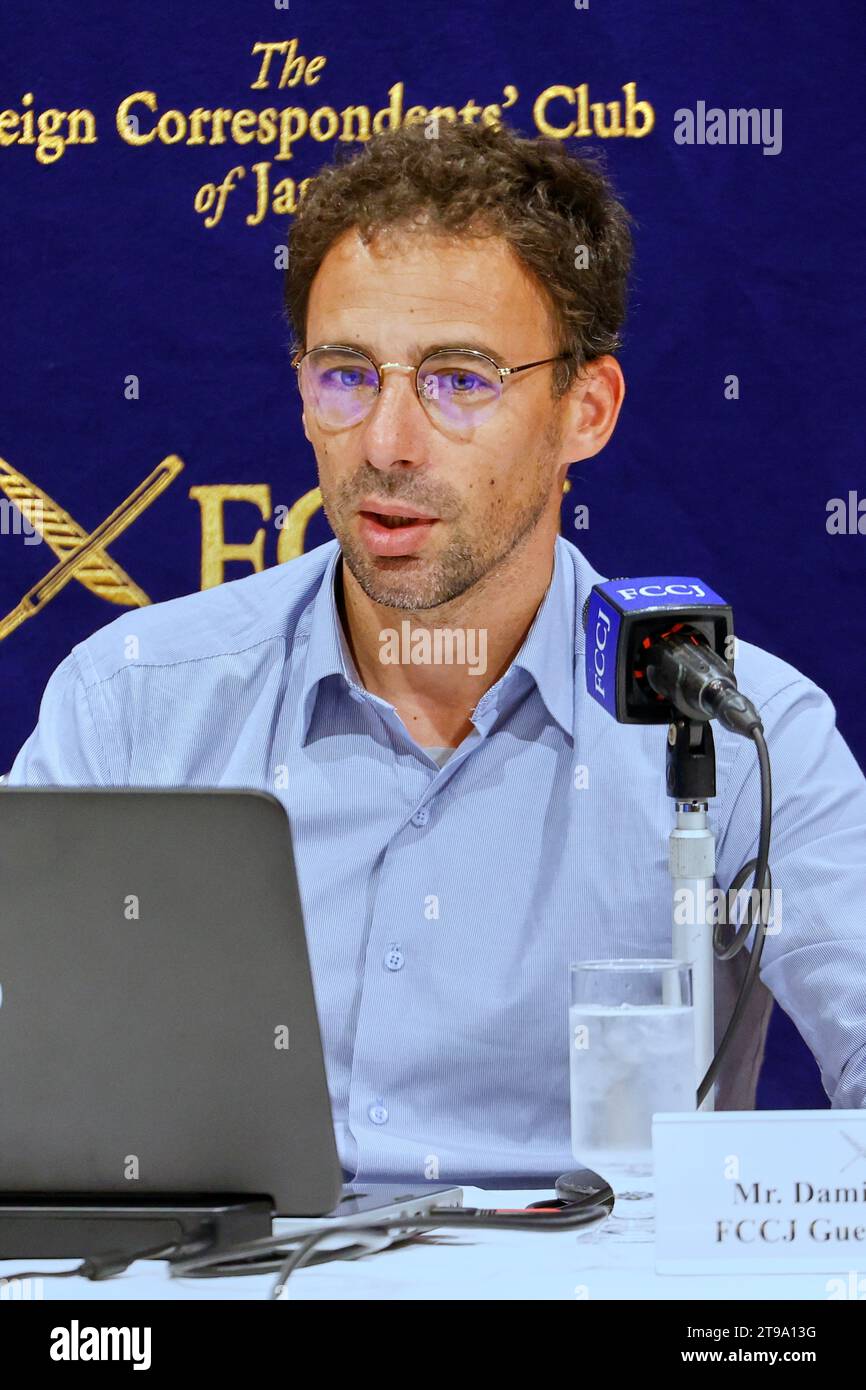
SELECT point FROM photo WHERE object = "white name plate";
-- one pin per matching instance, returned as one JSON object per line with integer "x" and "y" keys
{"x": 753, "y": 1191}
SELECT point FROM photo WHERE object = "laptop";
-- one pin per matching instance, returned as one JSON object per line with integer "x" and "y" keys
{"x": 158, "y": 1026}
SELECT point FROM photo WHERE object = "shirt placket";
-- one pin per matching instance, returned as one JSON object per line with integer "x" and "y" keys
{"x": 395, "y": 941}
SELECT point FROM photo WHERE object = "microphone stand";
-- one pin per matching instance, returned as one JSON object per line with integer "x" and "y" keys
{"x": 691, "y": 781}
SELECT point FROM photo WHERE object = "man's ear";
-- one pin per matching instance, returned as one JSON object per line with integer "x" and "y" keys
{"x": 304, "y": 422}
{"x": 593, "y": 407}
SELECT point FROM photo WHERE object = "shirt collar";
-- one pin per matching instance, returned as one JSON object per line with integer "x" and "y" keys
{"x": 327, "y": 651}
{"x": 547, "y": 653}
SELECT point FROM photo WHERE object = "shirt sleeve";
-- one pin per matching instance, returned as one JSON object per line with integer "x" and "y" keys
{"x": 64, "y": 748}
{"x": 814, "y": 960}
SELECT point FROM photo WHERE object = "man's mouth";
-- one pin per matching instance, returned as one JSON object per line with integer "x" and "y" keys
{"x": 392, "y": 521}
{"x": 390, "y": 534}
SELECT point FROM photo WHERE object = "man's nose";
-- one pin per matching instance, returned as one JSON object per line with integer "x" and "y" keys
{"x": 397, "y": 425}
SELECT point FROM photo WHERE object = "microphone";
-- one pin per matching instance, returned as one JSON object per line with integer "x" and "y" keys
{"x": 657, "y": 648}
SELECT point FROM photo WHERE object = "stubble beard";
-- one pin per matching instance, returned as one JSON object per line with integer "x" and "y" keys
{"x": 414, "y": 584}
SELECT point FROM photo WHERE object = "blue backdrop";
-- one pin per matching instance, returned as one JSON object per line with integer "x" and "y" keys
{"x": 132, "y": 331}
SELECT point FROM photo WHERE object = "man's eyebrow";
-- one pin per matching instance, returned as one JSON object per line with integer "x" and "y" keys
{"x": 419, "y": 352}
{"x": 470, "y": 342}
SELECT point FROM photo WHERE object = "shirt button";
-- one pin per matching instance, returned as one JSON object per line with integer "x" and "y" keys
{"x": 378, "y": 1114}
{"x": 394, "y": 958}
{"x": 421, "y": 816}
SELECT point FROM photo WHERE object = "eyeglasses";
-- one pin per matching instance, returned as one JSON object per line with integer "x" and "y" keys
{"x": 458, "y": 387}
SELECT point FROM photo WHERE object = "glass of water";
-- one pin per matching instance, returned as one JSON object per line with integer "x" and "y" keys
{"x": 632, "y": 1045}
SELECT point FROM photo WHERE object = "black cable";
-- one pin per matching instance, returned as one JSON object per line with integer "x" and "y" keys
{"x": 761, "y": 881}
{"x": 108, "y": 1265}
{"x": 242, "y": 1259}
{"x": 301, "y": 1256}
{"x": 231, "y": 1264}
{"x": 187, "y": 1261}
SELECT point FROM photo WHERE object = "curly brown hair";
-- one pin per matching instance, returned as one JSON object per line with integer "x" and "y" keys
{"x": 487, "y": 181}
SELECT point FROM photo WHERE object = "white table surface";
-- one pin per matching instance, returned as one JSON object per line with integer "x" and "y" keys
{"x": 478, "y": 1264}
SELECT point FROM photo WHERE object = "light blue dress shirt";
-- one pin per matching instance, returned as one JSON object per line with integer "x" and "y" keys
{"x": 444, "y": 905}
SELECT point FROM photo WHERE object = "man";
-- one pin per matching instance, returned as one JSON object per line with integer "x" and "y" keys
{"x": 466, "y": 826}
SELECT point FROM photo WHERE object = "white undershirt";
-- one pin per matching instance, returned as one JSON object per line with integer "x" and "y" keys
{"x": 439, "y": 755}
